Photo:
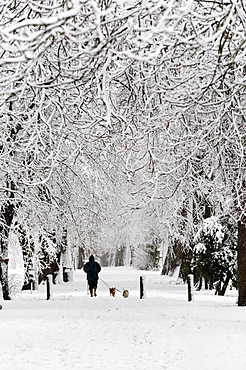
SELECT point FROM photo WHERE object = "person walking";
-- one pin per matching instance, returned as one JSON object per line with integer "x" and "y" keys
{"x": 92, "y": 268}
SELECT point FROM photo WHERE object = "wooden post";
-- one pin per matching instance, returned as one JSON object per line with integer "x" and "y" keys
{"x": 142, "y": 287}
{"x": 49, "y": 286}
{"x": 190, "y": 280}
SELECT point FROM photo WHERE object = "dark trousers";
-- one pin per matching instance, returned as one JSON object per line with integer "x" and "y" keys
{"x": 92, "y": 285}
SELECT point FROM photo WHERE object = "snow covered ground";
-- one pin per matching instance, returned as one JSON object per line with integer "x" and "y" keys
{"x": 162, "y": 331}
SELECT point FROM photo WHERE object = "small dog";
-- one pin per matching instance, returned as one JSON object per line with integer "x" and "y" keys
{"x": 125, "y": 293}
{"x": 112, "y": 291}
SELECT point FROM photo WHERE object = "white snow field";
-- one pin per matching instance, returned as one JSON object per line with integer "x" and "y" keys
{"x": 161, "y": 331}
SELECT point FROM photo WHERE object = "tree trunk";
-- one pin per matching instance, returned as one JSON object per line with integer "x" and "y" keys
{"x": 218, "y": 288}
{"x": 80, "y": 258}
{"x": 4, "y": 278}
{"x": 27, "y": 246}
{"x": 7, "y": 211}
{"x": 206, "y": 283}
{"x": 173, "y": 259}
{"x": 225, "y": 285}
{"x": 199, "y": 286}
{"x": 7, "y": 214}
{"x": 241, "y": 257}
{"x": 49, "y": 257}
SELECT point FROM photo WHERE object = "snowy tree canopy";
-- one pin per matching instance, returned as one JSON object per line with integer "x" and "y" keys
{"x": 111, "y": 103}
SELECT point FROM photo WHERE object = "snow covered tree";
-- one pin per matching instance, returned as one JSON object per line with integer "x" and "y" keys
{"x": 158, "y": 84}
{"x": 215, "y": 253}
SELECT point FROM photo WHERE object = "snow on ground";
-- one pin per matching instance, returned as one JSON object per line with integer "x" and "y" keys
{"x": 162, "y": 331}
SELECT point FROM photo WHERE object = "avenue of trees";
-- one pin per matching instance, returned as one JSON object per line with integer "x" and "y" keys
{"x": 122, "y": 131}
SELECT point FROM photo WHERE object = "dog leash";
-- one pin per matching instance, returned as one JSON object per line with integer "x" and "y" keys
{"x": 105, "y": 282}
{"x": 109, "y": 285}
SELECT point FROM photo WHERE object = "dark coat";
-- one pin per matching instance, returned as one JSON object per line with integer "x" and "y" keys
{"x": 92, "y": 268}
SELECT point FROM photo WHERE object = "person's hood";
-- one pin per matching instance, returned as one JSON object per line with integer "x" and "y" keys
{"x": 91, "y": 258}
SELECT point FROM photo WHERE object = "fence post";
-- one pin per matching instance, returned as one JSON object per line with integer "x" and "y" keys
{"x": 190, "y": 281}
{"x": 142, "y": 287}
{"x": 49, "y": 286}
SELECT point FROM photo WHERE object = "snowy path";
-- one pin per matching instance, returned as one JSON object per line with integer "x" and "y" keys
{"x": 163, "y": 331}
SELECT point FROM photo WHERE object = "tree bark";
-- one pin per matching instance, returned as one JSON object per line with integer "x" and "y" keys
{"x": 80, "y": 258}
{"x": 7, "y": 214}
{"x": 27, "y": 246}
{"x": 4, "y": 278}
{"x": 225, "y": 285}
{"x": 241, "y": 257}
